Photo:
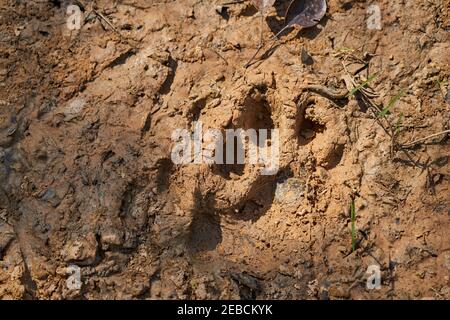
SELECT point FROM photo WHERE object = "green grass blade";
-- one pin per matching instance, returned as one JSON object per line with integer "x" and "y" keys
{"x": 391, "y": 103}
{"x": 353, "y": 218}
{"x": 359, "y": 87}
{"x": 399, "y": 124}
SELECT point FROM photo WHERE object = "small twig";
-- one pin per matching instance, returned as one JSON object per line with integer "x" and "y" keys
{"x": 272, "y": 46}
{"x": 107, "y": 22}
{"x": 219, "y": 55}
{"x": 261, "y": 31}
{"x": 101, "y": 16}
{"x": 248, "y": 64}
{"x": 232, "y": 2}
{"x": 272, "y": 42}
{"x": 260, "y": 45}
{"x": 416, "y": 163}
{"x": 412, "y": 143}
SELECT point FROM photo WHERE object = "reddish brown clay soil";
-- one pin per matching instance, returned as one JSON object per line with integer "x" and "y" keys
{"x": 86, "y": 177}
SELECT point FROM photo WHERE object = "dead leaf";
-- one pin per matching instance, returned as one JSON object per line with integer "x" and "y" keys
{"x": 307, "y": 13}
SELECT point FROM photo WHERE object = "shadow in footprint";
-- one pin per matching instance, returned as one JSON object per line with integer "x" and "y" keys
{"x": 205, "y": 232}
{"x": 257, "y": 202}
{"x": 165, "y": 167}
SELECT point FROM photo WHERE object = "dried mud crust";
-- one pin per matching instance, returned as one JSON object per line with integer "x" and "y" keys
{"x": 85, "y": 139}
